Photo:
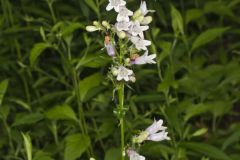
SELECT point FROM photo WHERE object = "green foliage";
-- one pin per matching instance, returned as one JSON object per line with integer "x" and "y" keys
{"x": 76, "y": 145}
{"x": 54, "y": 85}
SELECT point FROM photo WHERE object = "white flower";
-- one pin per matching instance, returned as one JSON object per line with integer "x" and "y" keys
{"x": 124, "y": 73}
{"x": 158, "y": 136}
{"x": 115, "y": 4}
{"x": 145, "y": 58}
{"x": 123, "y": 14}
{"x": 140, "y": 43}
{"x": 123, "y": 26}
{"x": 136, "y": 29}
{"x": 155, "y": 127}
{"x": 133, "y": 155}
{"x": 143, "y": 8}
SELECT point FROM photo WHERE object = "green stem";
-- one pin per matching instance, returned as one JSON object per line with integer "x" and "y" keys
{"x": 51, "y": 10}
{"x": 121, "y": 107}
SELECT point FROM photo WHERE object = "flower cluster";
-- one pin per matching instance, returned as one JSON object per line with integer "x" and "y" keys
{"x": 126, "y": 44}
{"x": 155, "y": 132}
{"x": 127, "y": 48}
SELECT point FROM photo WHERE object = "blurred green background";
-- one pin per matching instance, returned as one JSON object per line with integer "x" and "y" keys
{"x": 52, "y": 70}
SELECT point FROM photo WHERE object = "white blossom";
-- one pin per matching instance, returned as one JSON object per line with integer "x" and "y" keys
{"x": 136, "y": 29}
{"x": 116, "y": 4}
{"x": 123, "y": 25}
{"x": 143, "y": 8}
{"x": 133, "y": 155}
{"x": 124, "y": 73}
{"x": 140, "y": 43}
{"x": 145, "y": 58}
{"x": 123, "y": 14}
{"x": 158, "y": 136}
{"x": 155, "y": 127}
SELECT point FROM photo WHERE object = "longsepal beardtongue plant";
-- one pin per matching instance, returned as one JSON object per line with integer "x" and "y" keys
{"x": 125, "y": 43}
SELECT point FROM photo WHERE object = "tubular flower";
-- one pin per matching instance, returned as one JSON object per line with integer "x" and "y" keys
{"x": 143, "y": 8}
{"x": 139, "y": 43}
{"x": 123, "y": 26}
{"x": 155, "y": 132}
{"x": 144, "y": 59}
{"x": 123, "y": 73}
{"x": 136, "y": 29}
{"x": 116, "y": 4}
{"x": 123, "y": 14}
{"x": 158, "y": 136}
{"x": 133, "y": 155}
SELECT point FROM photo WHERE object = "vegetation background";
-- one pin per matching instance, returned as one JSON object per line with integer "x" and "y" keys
{"x": 52, "y": 71}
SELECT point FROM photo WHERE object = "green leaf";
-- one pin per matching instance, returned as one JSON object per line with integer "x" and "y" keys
{"x": 177, "y": 21}
{"x": 71, "y": 28}
{"x": 208, "y": 36}
{"x": 76, "y": 145}
{"x": 61, "y": 112}
{"x": 27, "y": 145}
{"x": 27, "y": 118}
{"x": 36, "y": 51}
{"x": 89, "y": 83}
{"x": 193, "y": 14}
{"x": 22, "y": 104}
{"x": 200, "y": 132}
{"x": 234, "y": 138}
{"x": 113, "y": 152}
{"x": 40, "y": 155}
{"x": 92, "y": 5}
{"x": 206, "y": 149}
{"x": 195, "y": 110}
{"x": 3, "y": 89}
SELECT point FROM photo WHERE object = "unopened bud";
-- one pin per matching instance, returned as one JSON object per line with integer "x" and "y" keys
{"x": 146, "y": 20}
{"x": 140, "y": 18}
{"x": 136, "y": 14}
{"x": 115, "y": 71}
{"x": 121, "y": 34}
{"x": 96, "y": 23}
{"x": 106, "y": 25}
{"x": 127, "y": 60}
{"x": 132, "y": 79}
{"x": 91, "y": 28}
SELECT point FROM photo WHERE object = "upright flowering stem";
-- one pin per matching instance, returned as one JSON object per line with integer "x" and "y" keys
{"x": 121, "y": 102}
{"x": 121, "y": 110}
{"x": 124, "y": 42}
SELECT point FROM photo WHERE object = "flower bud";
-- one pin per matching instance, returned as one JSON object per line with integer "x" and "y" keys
{"x": 146, "y": 20}
{"x": 127, "y": 60}
{"x": 106, "y": 25}
{"x": 96, "y": 23}
{"x": 91, "y": 28}
{"x": 136, "y": 14}
{"x": 92, "y": 158}
{"x": 115, "y": 71}
{"x": 110, "y": 49}
{"x": 140, "y": 18}
{"x": 132, "y": 79}
{"x": 121, "y": 34}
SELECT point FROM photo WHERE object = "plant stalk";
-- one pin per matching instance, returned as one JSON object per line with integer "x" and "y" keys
{"x": 121, "y": 108}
